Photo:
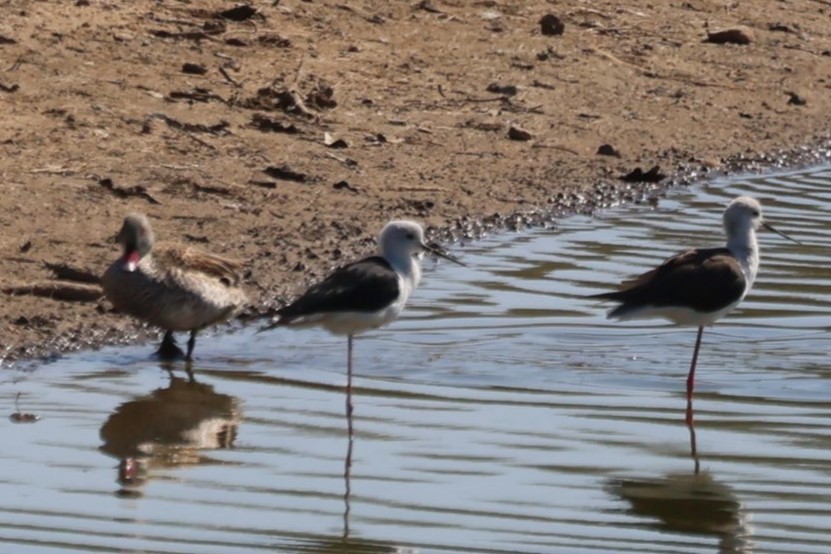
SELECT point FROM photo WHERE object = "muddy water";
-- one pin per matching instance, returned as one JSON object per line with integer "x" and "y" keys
{"x": 503, "y": 413}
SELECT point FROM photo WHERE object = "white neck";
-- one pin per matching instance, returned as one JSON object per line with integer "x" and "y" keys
{"x": 742, "y": 244}
{"x": 407, "y": 266}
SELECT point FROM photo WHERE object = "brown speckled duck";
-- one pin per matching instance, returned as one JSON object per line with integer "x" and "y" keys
{"x": 172, "y": 286}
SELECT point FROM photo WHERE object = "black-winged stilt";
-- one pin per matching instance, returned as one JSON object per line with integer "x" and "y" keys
{"x": 700, "y": 286}
{"x": 366, "y": 294}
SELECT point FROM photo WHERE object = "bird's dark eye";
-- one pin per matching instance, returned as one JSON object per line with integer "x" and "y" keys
{"x": 756, "y": 213}
{"x": 410, "y": 236}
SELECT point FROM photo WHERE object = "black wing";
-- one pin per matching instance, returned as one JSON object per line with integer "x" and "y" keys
{"x": 368, "y": 285}
{"x": 705, "y": 280}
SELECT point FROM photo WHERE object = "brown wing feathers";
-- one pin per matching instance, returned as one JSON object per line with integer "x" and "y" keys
{"x": 703, "y": 279}
{"x": 193, "y": 259}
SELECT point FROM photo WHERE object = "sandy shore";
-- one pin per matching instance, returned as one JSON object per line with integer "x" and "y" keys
{"x": 286, "y": 135}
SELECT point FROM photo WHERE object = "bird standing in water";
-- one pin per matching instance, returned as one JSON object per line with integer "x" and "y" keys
{"x": 175, "y": 287}
{"x": 366, "y": 294}
{"x": 698, "y": 287}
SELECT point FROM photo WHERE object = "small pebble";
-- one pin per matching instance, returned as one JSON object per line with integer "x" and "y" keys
{"x": 551, "y": 25}
{"x": 515, "y": 133}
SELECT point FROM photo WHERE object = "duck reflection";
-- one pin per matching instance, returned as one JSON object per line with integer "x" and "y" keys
{"x": 168, "y": 427}
{"x": 693, "y": 502}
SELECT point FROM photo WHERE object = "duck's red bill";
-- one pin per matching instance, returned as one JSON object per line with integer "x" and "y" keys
{"x": 131, "y": 262}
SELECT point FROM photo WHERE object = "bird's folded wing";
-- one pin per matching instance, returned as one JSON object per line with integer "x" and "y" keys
{"x": 368, "y": 285}
{"x": 193, "y": 259}
{"x": 704, "y": 279}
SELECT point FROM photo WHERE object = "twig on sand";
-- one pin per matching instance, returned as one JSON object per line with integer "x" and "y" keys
{"x": 57, "y": 170}
{"x": 556, "y": 147}
{"x": 228, "y": 78}
{"x": 656, "y": 75}
{"x": 125, "y": 192}
{"x": 421, "y": 189}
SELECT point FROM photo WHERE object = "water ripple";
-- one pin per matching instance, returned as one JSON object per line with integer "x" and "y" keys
{"x": 502, "y": 414}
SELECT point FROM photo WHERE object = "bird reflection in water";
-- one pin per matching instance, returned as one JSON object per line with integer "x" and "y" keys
{"x": 345, "y": 542}
{"x": 347, "y": 483}
{"x": 168, "y": 427}
{"x": 694, "y": 503}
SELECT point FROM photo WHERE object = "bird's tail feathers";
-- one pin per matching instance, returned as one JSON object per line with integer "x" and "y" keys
{"x": 628, "y": 311}
{"x": 615, "y": 295}
{"x": 624, "y": 310}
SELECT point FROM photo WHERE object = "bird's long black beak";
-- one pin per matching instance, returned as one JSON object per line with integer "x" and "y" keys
{"x": 436, "y": 252}
{"x": 770, "y": 227}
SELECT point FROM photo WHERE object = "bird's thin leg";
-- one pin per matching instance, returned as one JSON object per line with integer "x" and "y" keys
{"x": 691, "y": 375}
{"x": 349, "y": 406}
{"x": 191, "y": 344}
{"x": 168, "y": 339}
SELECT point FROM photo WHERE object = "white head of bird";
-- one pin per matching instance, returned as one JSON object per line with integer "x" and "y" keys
{"x": 402, "y": 244}
{"x": 742, "y": 218}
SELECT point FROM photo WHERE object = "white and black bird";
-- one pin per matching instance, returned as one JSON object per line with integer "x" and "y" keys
{"x": 698, "y": 287}
{"x": 366, "y": 294}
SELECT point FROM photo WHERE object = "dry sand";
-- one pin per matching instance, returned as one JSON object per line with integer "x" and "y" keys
{"x": 286, "y": 135}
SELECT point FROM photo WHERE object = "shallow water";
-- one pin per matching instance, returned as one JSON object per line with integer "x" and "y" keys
{"x": 502, "y": 413}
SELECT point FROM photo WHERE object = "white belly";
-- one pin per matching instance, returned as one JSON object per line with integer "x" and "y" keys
{"x": 355, "y": 323}
{"x": 679, "y": 315}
